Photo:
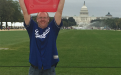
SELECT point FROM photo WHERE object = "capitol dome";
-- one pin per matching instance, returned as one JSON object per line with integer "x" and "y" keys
{"x": 109, "y": 14}
{"x": 84, "y": 7}
{"x": 84, "y": 10}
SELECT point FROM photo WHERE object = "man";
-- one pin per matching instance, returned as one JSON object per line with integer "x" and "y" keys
{"x": 43, "y": 52}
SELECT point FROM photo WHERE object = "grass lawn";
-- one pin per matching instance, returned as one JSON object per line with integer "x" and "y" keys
{"x": 81, "y": 52}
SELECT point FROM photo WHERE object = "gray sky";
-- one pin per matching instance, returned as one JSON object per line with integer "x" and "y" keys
{"x": 97, "y": 8}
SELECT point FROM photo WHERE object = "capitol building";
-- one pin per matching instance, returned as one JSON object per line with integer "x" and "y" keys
{"x": 84, "y": 18}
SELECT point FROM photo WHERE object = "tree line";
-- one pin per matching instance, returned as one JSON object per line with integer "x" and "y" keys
{"x": 113, "y": 23}
{"x": 69, "y": 22}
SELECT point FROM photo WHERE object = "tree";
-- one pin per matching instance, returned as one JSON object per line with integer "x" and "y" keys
{"x": 68, "y": 22}
{"x": 17, "y": 15}
{"x": 119, "y": 23}
{"x": 51, "y": 18}
{"x": 1, "y": 11}
{"x": 71, "y": 21}
{"x": 10, "y": 11}
{"x": 65, "y": 20}
{"x": 114, "y": 23}
{"x": 65, "y": 24}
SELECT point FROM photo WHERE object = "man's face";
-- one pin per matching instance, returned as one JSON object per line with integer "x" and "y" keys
{"x": 42, "y": 19}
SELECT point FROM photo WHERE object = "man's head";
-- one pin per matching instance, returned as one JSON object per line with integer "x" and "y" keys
{"x": 42, "y": 19}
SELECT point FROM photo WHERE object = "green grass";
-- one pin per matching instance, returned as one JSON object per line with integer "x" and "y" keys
{"x": 81, "y": 52}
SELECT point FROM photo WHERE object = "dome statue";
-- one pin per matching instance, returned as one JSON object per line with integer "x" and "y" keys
{"x": 84, "y": 10}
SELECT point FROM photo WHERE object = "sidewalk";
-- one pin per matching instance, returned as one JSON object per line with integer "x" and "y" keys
{"x": 13, "y": 30}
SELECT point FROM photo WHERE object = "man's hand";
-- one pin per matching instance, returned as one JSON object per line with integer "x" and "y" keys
{"x": 25, "y": 13}
{"x": 58, "y": 14}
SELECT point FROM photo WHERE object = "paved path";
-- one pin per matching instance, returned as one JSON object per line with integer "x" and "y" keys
{"x": 14, "y": 30}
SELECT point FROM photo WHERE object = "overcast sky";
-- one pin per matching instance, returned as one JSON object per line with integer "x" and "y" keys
{"x": 97, "y": 8}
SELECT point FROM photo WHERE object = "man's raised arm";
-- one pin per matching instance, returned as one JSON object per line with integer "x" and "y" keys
{"x": 58, "y": 14}
{"x": 25, "y": 13}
